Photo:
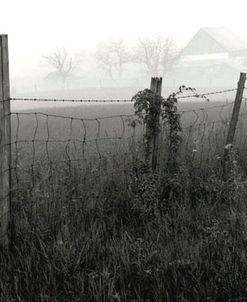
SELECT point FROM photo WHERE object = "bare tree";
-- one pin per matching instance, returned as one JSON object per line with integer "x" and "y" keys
{"x": 62, "y": 63}
{"x": 170, "y": 56}
{"x": 104, "y": 57}
{"x": 158, "y": 55}
{"x": 112, "y": 56}
{"x": 121, "y": 54}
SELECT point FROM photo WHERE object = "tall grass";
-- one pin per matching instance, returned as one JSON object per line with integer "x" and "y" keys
{"x": 112, "y": 230}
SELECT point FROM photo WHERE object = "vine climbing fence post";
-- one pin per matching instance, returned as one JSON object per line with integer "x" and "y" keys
{"x": 5, "y": 146}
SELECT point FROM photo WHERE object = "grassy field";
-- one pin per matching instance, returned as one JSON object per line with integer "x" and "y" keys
{"x": 109, "y": 229}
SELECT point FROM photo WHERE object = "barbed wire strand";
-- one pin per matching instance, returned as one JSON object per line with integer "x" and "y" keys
{"x": 195, "y": 95}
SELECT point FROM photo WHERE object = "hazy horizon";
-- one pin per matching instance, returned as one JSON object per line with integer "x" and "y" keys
{"x": 39, "y": 27}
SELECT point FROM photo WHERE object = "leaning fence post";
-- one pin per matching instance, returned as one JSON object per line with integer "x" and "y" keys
{"x": 156, "y": 86}
{"x": 5, "y": 139}
{"x": 234, "y": 118}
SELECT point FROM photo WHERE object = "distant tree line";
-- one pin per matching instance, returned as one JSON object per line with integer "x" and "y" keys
{"x": 157, "y": 56}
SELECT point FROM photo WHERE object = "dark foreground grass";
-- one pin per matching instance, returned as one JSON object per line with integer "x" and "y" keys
{"x": 122, "y": 233}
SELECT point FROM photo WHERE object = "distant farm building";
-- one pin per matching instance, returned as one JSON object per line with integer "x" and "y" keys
{"x": 214, "y": 57}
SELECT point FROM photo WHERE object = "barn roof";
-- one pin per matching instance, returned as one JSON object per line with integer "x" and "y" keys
{"x": 214, "y": 40}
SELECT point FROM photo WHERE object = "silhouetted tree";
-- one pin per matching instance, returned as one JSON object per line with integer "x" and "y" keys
{"x": 112, "y": 56}
{"x": 122, "y": 55}
{"x": 170, "y": 55}
{"x": 62, "y": 63}
{"x": 104, "y": 57}
{"x": 158, "y": 55}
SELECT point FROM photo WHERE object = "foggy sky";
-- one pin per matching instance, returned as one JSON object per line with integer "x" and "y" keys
{"x": 36, "y": 27}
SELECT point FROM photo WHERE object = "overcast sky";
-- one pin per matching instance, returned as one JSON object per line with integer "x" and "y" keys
{"x": 36, "y": 27}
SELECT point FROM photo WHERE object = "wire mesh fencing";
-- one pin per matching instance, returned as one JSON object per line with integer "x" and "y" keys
{"x": 204, "y": 134}
{"x": 61, "y": 163}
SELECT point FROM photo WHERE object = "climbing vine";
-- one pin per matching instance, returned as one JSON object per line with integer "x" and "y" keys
{"x": 149, "y": 107}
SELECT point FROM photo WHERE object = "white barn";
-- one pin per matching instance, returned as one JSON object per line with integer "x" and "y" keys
{"x": 214, "y": 57}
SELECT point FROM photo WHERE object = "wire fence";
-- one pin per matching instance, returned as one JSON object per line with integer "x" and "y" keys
{"x": 205, "y": 132}
{"x": 60, "y": 160}
{"x": 52, "y": 138}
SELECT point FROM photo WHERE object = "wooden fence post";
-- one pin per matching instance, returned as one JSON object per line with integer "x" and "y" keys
{"x": 5, "y": 140}
{"x": 234, "y": 118}
{"x": 156, "y": 87}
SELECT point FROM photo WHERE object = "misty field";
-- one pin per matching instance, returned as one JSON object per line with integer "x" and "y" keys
{"x": 93, "y": 223}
